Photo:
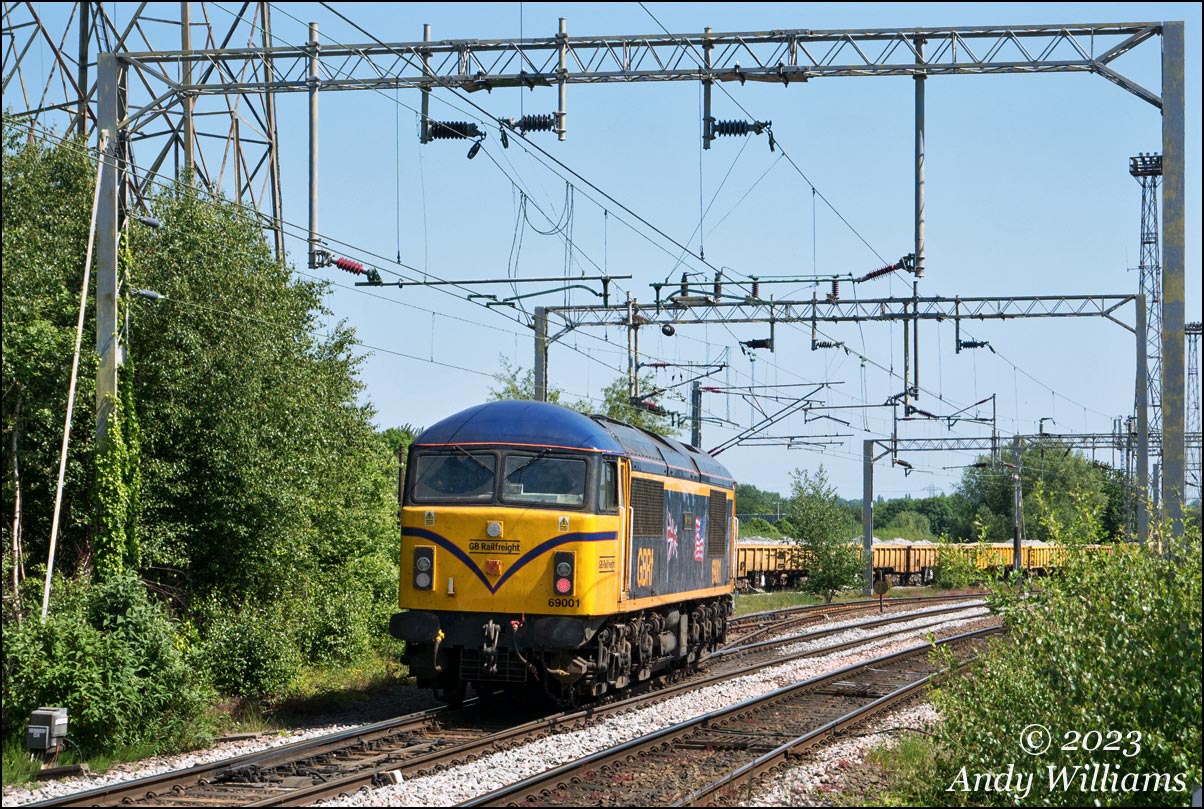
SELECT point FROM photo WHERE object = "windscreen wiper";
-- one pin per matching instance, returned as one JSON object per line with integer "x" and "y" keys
{"x": 539, "y": 455}
{"x": 472, "y": 458}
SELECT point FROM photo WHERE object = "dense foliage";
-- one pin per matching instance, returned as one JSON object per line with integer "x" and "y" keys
{"x": 1114, "y": 644}
{"x": 47, "y": 200}
{"x": 1057, "y": 485}
{"x": 757, "y": 527}
{"x": 110, "y": 656}
{"x": 248, "y": 489}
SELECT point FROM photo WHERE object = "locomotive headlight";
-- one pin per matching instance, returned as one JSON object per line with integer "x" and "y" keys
{"x": 493, "y": 530}
{"x": 563, "y": 570}
{"x": 424, "y": 567}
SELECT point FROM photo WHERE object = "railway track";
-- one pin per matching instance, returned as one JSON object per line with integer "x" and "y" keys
{"x": 419, "y": 744}
{"x": 740, "y": 742}
{"x": 744, "y": 628}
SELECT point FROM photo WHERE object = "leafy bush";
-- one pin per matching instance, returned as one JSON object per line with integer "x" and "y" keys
{"x": 1112, "y": 644}
{"x": 248, "y": 651}
{"x": 107, "y": 654}
{"x": 957, "y": 566}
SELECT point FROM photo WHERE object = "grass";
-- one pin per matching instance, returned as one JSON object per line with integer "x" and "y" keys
{"x": 20, "y": 769}
{"x": 908, "y": 766}
{"x": 328, "y": 689}
{"x": 761, "y": 602}
{"x": 17, "y": 767}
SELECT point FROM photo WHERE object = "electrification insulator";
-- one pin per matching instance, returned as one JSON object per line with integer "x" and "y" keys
{"x": 446, "y": 130}
{"x": 834, "y": 295}
{"x": 756, "y": 290}
{"x": 649, "y": 405}
{"x": 536, "y": 123}
{"x": 974, "y": 344}
{"x": 826, "y": 344}
{"x": 727, "y": 128}
{"x": 870, "y": 276}
{"x": 350, "y": 265}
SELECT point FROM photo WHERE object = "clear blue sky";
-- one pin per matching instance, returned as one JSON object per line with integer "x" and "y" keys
{"x": 1028, "y": 193}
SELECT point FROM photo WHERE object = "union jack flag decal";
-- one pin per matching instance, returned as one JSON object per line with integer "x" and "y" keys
{"x": 698, "y": 539}
{"x": 670, "y": 534}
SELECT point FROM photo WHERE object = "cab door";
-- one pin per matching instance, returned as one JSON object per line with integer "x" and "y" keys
{"x": 625, "y": 525}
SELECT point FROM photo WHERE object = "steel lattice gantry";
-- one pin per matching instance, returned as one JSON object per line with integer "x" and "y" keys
{"x": 848, "y": 311}
{"x": 226, "y": 143}
{"x": 781, "y": 56}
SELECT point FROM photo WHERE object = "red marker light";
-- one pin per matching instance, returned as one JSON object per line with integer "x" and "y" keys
{"x": 563, "y": 586}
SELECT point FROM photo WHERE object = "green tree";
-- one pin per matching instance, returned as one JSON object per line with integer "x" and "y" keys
{"x": 751, "y": 500}
{"x": 824, "y": 530}
{"x": 757, "y": 527}
{"x": 617, "y": 405}
{"x": 1112, "y": 644}
{"x": 909, "y": 525}
{"x": 264, "y": 485}
{"x": 262, "y": 468}
{"x": 1066, "y": 480}
{"x": 47, "y": 202}
{"x": 513, "y": 382}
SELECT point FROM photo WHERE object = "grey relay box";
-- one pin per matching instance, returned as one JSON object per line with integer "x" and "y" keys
{"x": 46, "y": 729}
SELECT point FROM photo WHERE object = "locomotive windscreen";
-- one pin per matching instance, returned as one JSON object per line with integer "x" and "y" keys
{"x": 544, "y": 480}
{"x": 460, "y": 477}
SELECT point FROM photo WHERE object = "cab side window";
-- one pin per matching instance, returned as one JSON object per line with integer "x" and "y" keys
{"x": 608, "y": 487}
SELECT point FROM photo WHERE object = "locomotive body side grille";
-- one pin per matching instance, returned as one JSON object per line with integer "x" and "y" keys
{"x": 717, "y": 524}
{"x": 648, "y": 502}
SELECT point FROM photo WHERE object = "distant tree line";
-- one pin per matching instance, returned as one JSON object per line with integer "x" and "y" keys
{"x": 1057, "y": 485}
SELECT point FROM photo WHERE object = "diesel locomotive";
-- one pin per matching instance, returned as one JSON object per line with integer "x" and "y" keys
{"x": 545, "y": 549}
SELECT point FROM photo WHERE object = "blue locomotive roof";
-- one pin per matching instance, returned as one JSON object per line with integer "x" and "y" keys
{"x": 540, "y": 424}
{"x": 521, "y": 422}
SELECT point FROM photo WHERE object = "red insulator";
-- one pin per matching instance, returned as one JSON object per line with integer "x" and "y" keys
{"x": 351, "y": 266}
{"x": 879, "y": 273}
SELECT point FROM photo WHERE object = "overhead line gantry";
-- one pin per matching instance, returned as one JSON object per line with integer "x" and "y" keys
{"x": 175, "y": 80}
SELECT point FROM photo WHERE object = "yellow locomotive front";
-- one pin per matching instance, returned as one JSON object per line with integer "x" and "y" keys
{"x": 516, "y": 545}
